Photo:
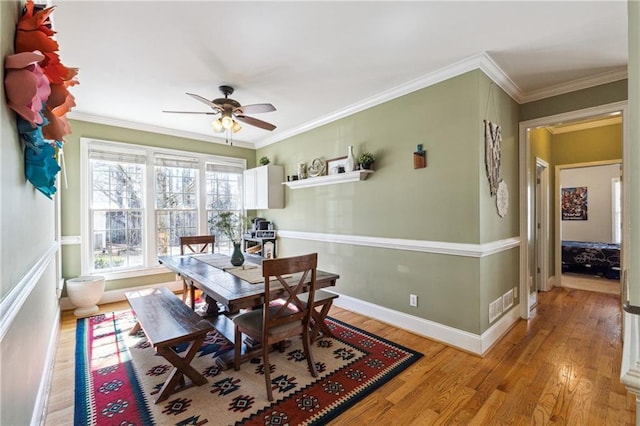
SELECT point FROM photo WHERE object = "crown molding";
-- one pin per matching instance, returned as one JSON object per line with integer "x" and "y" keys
{"x": 579, "y": 84}
{"x": 97, "y": 119}
{"x": 480, "y": 61}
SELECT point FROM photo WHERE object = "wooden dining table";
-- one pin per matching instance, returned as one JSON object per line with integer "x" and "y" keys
{"x": 228, "y": 289}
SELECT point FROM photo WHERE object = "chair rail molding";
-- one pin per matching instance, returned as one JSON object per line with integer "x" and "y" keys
{"x": 15, "y": 299}
{"x": 68, "y": 240}
{"x": 438, "y": 247}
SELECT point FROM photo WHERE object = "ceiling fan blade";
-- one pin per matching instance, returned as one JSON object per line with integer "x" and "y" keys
{"x": 192, "y": 112}
{"x": 256, "y": 108}
{"x": 204, "y": 101}
{"x": 255, "y": 122}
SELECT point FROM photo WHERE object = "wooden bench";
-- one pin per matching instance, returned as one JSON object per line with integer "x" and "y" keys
{"x": 168, "y": 322}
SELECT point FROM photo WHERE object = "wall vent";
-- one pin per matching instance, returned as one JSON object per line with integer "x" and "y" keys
{"x": 507, "y": 300}
{"x": 495, "y": 309}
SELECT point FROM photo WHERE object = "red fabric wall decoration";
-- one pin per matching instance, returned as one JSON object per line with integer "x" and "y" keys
{"x": 36, "y": 86}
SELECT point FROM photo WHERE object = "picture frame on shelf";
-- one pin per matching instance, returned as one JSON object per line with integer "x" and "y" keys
{"x": 335, "y": 165}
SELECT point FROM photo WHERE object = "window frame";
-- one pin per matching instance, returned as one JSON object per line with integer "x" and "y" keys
{"x": 150, "y": 263}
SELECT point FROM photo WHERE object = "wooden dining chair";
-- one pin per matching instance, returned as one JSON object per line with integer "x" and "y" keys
{"x": 320, "y": 306}
{"x": 283, "y": 318}
{"x": 194, "y": 244}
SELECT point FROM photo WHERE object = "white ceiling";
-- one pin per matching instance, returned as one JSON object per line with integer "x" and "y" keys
{"x": 318, "y": 61}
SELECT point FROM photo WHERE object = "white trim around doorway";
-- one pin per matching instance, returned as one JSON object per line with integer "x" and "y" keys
{"x": 526, "y": 181}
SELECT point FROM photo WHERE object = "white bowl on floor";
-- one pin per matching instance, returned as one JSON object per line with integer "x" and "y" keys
{"x": 84, "y": 293}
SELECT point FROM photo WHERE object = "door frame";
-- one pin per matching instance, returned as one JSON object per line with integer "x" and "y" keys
{"x": 558, "y": 213}
{"x": 527, "y": 188}
{"x": 542, "y": 207}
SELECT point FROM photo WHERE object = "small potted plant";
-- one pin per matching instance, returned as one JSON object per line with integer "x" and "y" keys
{"x": 366, "y": 160}
{"x": 264, "y": 161}
{"x": 232, "y": 226}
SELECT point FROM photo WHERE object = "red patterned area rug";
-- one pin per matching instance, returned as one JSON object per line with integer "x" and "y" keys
{"x": 118, "y": 377}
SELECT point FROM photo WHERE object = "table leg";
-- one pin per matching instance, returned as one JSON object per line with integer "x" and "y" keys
{"x": 212, "y": 307}
{"x": 182, "y": 367}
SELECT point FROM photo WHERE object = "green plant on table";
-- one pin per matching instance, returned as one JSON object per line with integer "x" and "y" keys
{"x": 231, "y": 225}
{"x": 264, "y": 161}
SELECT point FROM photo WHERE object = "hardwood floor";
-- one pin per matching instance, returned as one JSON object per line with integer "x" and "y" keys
{"x": 560, "y": 367}
{"x": 591, "y": 283}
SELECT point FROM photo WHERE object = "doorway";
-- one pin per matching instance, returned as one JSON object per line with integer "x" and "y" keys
{"x": 588, "y": 251}
{"x": 532, "y": 255}
{"x": 541, "y": 232}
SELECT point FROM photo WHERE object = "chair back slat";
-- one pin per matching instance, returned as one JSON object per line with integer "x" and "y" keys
{"x": 289, "y": 308}
{"x": 197, "y": 244}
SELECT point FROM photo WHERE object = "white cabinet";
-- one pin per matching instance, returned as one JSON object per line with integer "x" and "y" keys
{"x": 263, "y": 188}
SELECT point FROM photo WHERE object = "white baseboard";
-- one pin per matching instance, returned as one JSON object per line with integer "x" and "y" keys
{"x": 42, "y": 398}
{"x": 118, "y": 295}
{"x": 470, "y": 342}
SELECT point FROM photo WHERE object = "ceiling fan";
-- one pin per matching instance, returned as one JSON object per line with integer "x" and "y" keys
{"x": 231, "y": 110}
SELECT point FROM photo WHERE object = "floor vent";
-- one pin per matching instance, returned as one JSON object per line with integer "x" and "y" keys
{"x": 495, "y": 309}
{"x": 507, "y": 300}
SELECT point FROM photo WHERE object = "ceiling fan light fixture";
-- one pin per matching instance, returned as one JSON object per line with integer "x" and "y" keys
{"x": 217, "y": 126}
{"x": 227, "y": 122}
{"x": 236, "y": 127}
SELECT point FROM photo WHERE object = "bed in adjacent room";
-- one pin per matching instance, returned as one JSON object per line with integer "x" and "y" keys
{"x": 591, "y": 258}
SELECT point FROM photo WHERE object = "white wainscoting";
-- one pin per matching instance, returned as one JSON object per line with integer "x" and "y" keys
{"x": 437, "y": 247}
{"x": 630, "y": 369}
{"x": 38, "y": 415}
{"x": 11, "y": 305}
{"x": 13, "y": 302}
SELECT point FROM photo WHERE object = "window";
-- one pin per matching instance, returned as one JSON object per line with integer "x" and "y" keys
{"x": 138, "y": 201}
{"x": 224, "y": 189}
{"x": 176, "y": 195}
{"x": 116, "y": 210}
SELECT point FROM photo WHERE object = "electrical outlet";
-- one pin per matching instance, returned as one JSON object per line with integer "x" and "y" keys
{"x": 515, "y": 292}
{"x": 413, "y": 300}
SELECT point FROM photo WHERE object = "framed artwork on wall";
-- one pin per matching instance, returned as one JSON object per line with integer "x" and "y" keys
{"x": 336, "y": 165}
{"x": 575, "y": 203}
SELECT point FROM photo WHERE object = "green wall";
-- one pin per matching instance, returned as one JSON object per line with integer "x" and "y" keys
{"x": 71, "y": 195}
{"x": 27, "y": 291}
{"x": 573, "y": 101}
{"x": 448, "y": 201}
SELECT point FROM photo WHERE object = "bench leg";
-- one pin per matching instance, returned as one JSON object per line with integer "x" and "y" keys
{"x": 135, "y": 329}
{"x": 182, "y": 367}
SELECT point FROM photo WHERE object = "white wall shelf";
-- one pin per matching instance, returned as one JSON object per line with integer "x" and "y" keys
{"x": 356, "y": 176}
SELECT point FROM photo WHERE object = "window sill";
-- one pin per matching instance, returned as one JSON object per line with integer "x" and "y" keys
{"x": 132, "y": 273}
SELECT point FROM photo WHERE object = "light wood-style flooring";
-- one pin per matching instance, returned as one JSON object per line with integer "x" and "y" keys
{"x": 560, "y": 367}
{"x": 591, "y": 283}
